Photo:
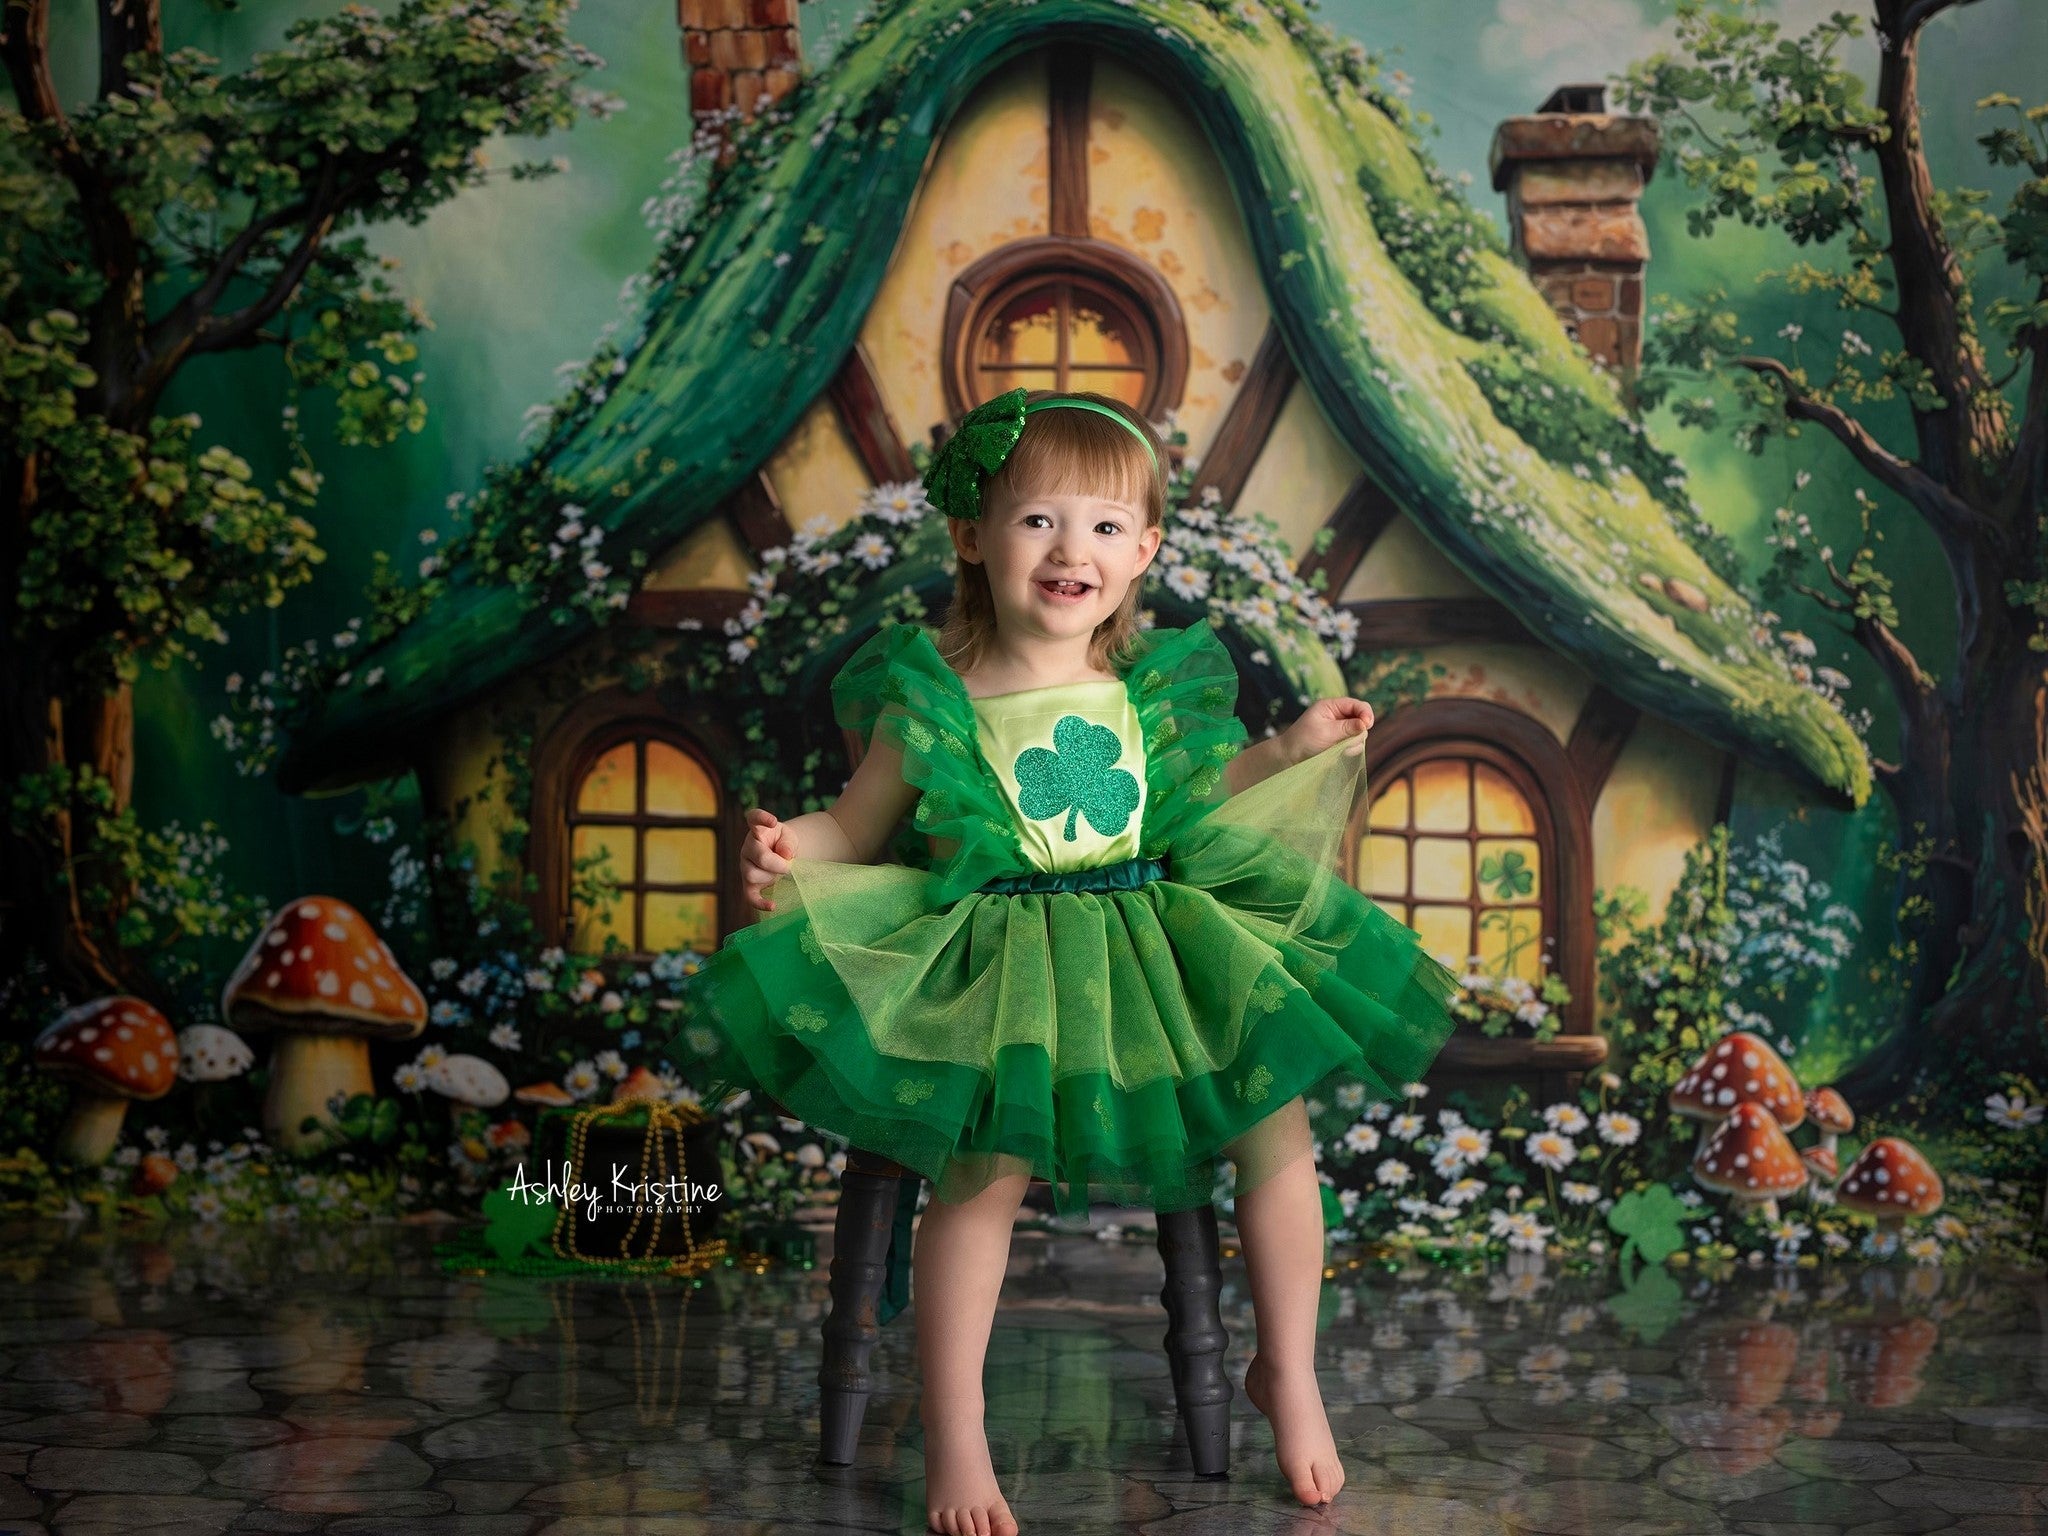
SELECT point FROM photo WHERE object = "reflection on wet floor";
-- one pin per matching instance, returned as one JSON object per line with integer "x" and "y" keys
{"x": 285, "y": 1382}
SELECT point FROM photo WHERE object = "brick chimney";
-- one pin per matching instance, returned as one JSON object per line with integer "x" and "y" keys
{"x": 742, "y": 55}
{"x": 1573, "y": 173}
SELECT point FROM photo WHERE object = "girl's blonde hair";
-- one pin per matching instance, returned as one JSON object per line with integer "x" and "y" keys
{"x": 1063, "y": 453}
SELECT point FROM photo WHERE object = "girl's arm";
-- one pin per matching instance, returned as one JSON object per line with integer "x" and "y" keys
{"x": 1322, "y": 725}
{"x": 854, "y": 829}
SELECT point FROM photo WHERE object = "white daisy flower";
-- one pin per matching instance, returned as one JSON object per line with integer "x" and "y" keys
{"x": 1618, "y": 1129}
{"x": 1568, "y": 1118}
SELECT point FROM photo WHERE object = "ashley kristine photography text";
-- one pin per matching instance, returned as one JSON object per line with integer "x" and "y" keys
{"x": 625, "y": 1193}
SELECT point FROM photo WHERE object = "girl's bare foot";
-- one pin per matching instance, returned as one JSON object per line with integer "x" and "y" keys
{"x": 960, "y": 1493}
{"x": 1302, "y": 1442}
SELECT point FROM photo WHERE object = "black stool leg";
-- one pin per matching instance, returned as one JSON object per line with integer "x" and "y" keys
{"x": 860, "y": 1251}
{"x": 1195, "y": 1340}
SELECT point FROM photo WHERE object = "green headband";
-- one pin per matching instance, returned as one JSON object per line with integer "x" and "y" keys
{"x": 983, "y": 440}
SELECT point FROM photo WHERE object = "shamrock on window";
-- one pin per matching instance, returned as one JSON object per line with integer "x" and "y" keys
{"x": 1077, "y": 775}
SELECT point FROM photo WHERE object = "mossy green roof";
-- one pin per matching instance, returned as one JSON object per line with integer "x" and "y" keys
{"x": 737, "y": 344}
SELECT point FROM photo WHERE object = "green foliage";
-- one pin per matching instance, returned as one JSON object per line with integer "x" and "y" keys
{"x": 1774, "y": 131}
{"x": 32, "y": 1104}
{"x": 1788, "y": 97}
{"x": 188, "y": 185}
{"x": 138, "y": 542}
{"x": 162, "y": 890}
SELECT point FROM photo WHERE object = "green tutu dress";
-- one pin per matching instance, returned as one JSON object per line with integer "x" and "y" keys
{"x": 1112, "y": 972}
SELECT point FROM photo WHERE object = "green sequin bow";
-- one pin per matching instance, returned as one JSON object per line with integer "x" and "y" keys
{"x": 963, "y": 462}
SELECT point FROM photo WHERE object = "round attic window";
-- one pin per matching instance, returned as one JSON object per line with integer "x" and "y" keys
{"x": 1064, "y": 313}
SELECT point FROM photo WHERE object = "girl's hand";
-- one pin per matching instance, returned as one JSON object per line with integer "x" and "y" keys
{"x": 1325, "y": 723}
{"x": 764, "y": 856}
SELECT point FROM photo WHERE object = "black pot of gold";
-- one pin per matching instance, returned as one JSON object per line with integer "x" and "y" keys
{"x": 642, "y": 1179}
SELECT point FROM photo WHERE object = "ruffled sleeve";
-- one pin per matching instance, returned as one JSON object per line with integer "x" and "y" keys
{"x": 897, "y": 686}
{"x": 1184, "y": 684}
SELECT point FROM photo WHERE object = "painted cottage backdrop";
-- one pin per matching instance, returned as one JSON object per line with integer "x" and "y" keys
{"x": 1098, "y": 194}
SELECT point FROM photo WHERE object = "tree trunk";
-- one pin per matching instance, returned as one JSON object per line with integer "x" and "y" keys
{"x": 45, "y": 924}
{"x": 1977, "y": 999}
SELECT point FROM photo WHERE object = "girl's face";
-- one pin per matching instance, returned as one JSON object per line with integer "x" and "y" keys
{"x": 1058, "y": 565}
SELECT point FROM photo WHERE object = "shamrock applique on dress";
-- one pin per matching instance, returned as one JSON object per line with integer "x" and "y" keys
{"x": 1079, "y": 776}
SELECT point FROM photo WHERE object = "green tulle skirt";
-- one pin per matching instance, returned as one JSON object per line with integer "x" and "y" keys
{"x": 1115, "y": 1042}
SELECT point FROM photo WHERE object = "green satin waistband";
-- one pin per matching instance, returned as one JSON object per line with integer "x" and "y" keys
{"x": 1127, "y": 875}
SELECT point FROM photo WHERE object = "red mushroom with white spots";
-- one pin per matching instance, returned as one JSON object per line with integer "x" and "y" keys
{"x": 1890, "y": 1180}
{"x": 1739, "y": 1068}
{"x": 1750, "y": 1160}
{"x": 1822, "y": 1168}
{"x": 114, "y": 1050}
{"x": 319, "y": 977}
{"x": 1830, "y": 1114}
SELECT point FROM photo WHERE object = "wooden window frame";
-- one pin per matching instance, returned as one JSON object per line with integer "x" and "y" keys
{"x": 1535, "y": 762}
{"x": 982, "y": 289}
{"x": 588, "y": 729}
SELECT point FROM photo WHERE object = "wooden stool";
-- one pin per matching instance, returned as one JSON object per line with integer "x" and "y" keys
{"x": 1195, "y": 1341}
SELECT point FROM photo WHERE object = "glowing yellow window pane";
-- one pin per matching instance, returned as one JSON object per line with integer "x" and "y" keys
{"x": 1026, "y": 331}
{"x": 1386, "y": 866}
{"x": 1508, "y": 870}
{"x": 677, "y": 784}
{"x": 1099, "y": 338}
{"x": 1391, "y": 808}
{"x": 1511, "y": 942}
{"x": 1443, "y": 868}
{"x": 1443, "y": 795}
{"x": 672, "y": 921}
{"x": 608, "y": 787}
{"x": 681, "y": 855}
{"x": 1127, "y": 387}
{"x": 614, "y": 845}
{"x": 1398, "y": 908}
{"x": 998, "y": 381}
{"x": 593, "y": 922}
{"x": 1445, "y": 930}
{"x": 1501, "y": 806}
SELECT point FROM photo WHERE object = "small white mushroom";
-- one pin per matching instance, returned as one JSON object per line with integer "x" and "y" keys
{"x": 209, "y": 1054}
{"x": 469, "y": 1080}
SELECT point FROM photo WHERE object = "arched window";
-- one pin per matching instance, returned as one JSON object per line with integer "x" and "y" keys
{"x": 1476, "y": 834}
{"x": 636, "y": 800}
{"x": 1451, "y": 849}
{"x": 645, "y": 813}
{"x": 1064, "y": 312}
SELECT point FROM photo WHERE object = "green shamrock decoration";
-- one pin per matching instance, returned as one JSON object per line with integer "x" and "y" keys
{"x": 1077, "y": 775}
{"x": 1509, "y": 874}
{"x": 1652, "y": 1220}
{"x": 512, "y": 1224}
{"x": 976, "y": 450}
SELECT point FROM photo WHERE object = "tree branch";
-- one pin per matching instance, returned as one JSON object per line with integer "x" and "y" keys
{"x": 1820, "y": 598}
{"x": 191, "y": 327}
{"x": 1946, "y": 512}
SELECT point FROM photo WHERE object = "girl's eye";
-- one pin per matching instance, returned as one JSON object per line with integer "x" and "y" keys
{"x": 1113, "y": 527}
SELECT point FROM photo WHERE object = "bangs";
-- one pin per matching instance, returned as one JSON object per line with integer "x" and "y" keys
{"x": 1079, "y": 453}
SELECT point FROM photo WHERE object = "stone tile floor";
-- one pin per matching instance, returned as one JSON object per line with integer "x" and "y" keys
{"x": 273, "y": 1382}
